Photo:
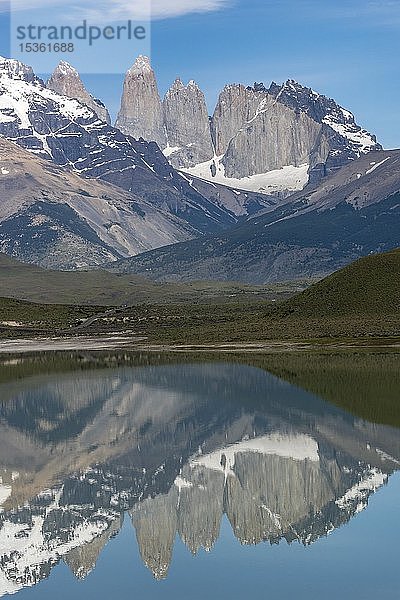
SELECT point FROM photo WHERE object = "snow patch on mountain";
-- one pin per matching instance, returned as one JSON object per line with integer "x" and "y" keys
{"x": 141, "y": 65}
{"x": 5, "y": 493}
{"x": 361, "y": 139}
{"x": 289, "y": 178}
{"x": 16, "y": 69}
{"x": 17, "y": 96}
{"x": 169, "y": 150}
{"x": 376, "y": 165}
{"x": 28, "y": 547}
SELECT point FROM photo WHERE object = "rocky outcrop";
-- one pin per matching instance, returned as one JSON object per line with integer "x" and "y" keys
{"x": 155, "y": 524}
{"x": 82, "y": 559}
{"x": 236, "y": 106}
{"x": 274, "y": 137}
{"x": 344, "y": 140}
{"x": 271, "y": 140}
{"x": 265, "y": 497}
{"x": 65, "y": 131}
{"x": 179, "y": 125}
{"x": 187, "y": 125}
{"x": 66, "y": 81}
{"x": 257, "y": 130}
{"x": 141, "y": 114}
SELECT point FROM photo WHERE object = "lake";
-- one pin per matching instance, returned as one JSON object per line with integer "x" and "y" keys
{"x": 184, "y": 476}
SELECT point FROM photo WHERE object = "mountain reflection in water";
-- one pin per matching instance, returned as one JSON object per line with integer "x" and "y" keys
{"x": 176, "y": 448}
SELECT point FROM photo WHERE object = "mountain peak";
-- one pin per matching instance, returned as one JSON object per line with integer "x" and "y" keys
{"x": 66, "y": 81}
{"x": 347, "y": 135}
{"x": 16, "y": 69}
{"x": 192, "y": 85}
{"x": 141, "y": 65}
{"x": 140, "y": 115}
{"x": 65, "y": 68}
{"x": 177, "y": 85}
{"x": 64, "y": 71}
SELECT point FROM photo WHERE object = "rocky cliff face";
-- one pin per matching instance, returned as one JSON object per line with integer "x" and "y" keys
{"x": 141, "y": 114}
{"x": 179, "y": 124}
{"x": 345, "y": 140}
{"x": 271, "y": 140}
{"x": 274, "y": 137}
{"x": 66, "y": 81}
{"x": 236, "y": 105}
{"x": 65, "y": 131}
{"x": 187, "y": 125}
{"x": 266, "y": 498}
{"x": 258, "y": 131}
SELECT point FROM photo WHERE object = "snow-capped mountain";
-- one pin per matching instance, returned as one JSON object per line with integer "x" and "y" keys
{"x": 69, "y": 133}
{"x": 53, "y": 217}
{"x": 273, "y": 140}
{"x": 77, "y": 217}
{"x": 276, "y": 138}
{"x": 66, "y": 81}
{"x": 279, "y": 139}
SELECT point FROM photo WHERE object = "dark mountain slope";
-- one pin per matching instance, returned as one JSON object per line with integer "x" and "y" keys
{"x": 352, "y": 214}
{"x": 70, "y": 134}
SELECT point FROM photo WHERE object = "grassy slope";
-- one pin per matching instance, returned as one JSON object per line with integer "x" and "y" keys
{"x": 362, "y": 299}
{"x": 101, "y": 288}
{"x": 359, "y": 301}
{"x": 369, "y": 286}
{"x": 37, "y": 316}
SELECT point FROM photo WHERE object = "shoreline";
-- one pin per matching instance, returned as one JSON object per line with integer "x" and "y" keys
{"x": 114, "y": 342}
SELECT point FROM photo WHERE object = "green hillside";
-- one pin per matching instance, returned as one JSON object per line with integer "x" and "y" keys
{"x": 17, "y": 315}
{"x": 359, "y": 301}
{"x": 369, "y": 286}
{"x": 101, "y": 288}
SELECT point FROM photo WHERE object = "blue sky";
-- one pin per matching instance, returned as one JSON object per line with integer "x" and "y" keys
{"x": 346, "y": 49}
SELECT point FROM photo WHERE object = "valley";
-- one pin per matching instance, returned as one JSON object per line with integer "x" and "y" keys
{"x": 120, "y": 230}
{"x": 199, "y": 300}
{"x": 337, "y": 309}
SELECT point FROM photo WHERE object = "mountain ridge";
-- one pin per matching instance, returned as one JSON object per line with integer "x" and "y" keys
{"x": 70, "y": 134}
{"x": 239, "y": 141}
{"x": 53, "y": 217}
{"x": 311, "y": 234}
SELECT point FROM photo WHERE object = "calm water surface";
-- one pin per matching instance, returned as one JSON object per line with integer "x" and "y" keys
{"x": 190, "y": 480}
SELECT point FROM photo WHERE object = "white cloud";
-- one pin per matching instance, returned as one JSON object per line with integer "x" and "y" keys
{"x": 115, "y": 10}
